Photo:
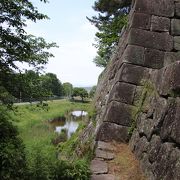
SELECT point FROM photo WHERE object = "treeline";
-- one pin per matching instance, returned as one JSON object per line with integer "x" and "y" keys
{"x": 32, "y": 86}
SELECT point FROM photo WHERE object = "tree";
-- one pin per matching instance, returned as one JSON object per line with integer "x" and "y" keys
{"x": 16, "y": 45}
{"x": 112, "y": 16}
{"x": 32, "y": 88}
{"x": 80, "y": 92}
{"x": 67, "y": 89}
{"x": 51, "y": 83}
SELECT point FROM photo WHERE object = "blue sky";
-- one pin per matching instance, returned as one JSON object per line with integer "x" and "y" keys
{"x": 74, "y": 34}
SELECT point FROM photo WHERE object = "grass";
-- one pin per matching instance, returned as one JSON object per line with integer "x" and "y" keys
{"x": 74, "y": 149}
{"x": 33, "y": 126}
{"x": 125, "y": 165}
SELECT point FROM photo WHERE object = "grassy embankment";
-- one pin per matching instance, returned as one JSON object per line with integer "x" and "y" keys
{"x": 32, "y": 122}
{"x": 37, "y": 135}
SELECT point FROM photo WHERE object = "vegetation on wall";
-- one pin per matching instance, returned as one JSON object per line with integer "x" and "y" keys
{"x": 142, "y": 104}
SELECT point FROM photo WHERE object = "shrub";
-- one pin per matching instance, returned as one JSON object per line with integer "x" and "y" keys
{"x": 70, "y": 171}
{"x": 43, "y": 166}
{"x": 12, "y": 155}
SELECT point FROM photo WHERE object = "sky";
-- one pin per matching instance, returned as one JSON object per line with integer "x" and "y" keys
{"x": 74, "y": 34}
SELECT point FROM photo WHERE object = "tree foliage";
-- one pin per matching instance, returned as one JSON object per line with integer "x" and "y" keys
{"x": 52, "y": 84}
{"x": 16, "y": 46}
{"x": 112, "y": 16}
{"x": 32, "y": 86}
{"x": 67, "y": 89}
{"x": 80, "y": 92}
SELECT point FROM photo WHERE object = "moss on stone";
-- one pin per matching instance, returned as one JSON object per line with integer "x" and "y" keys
{"x": 142, "y": 104}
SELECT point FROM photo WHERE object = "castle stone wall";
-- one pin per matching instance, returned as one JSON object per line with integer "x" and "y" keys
{"x": 137, "y": 97}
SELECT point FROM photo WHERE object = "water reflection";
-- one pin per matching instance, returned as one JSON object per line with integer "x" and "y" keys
{"x": 79, "y": 113}
{"x": 70, "y": 126}
{"x": 69, "y": 123}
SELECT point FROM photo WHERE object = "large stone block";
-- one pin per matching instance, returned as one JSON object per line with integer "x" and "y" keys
{"x": 161, "y": 24}
{"x": 160, "y": 110}
{"x": 168, "y": 81}
{"x": 141, "y": 21}
{"x": 177, "y": 43}
{"x": 147, "y": 167}
{"x": 145, "y": 126}
{"x": 137, "y": 95}
{"x": 148, "y": 39}
{"x": 110, "y": 131}
{"x": 177, "y": 9}
{"x": 155, "y": 7}
{"x": 134, "y": 55}
{"x": 154, "y": 147}
{"x": 153, "y": 58}
{"x": 113, "y": 70}
{"x": 157, "y": 109}
{"x": 175, "y": 27}
{"x": 171, "y": 57}
{"x": 119, "y": 113}
{"x": 132, "y": 74}
{"x": 162, "y": 164}
{"x": 134, "y": 140}
{"x": 141, "y": 147}
{"x": 157, "y": 78}
{"x": 122, "y": 92}
{"x": 174, "y": 165}
{"x": 171, "y": 124}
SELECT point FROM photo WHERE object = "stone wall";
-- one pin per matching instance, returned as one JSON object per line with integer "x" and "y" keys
{"x": 138, "y": 93}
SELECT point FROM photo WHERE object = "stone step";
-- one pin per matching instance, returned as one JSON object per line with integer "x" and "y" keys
{"x": 104, "y": 177}
{"x": 98, "y": 166}
{"x": 104, "y": 154}
{"x": 105, "y": 146}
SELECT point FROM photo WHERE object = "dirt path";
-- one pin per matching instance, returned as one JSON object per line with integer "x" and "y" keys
{"x": 115, "y": 161}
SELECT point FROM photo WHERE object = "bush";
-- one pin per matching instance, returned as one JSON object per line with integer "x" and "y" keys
{"x": 43, "y": 166}
{"x": 70, "y": 171}
{"x": 38, "y": 165}
{"x": 12, "y": 155}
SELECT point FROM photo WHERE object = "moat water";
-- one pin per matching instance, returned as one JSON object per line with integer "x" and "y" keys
{"x": 68, "y": 123}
